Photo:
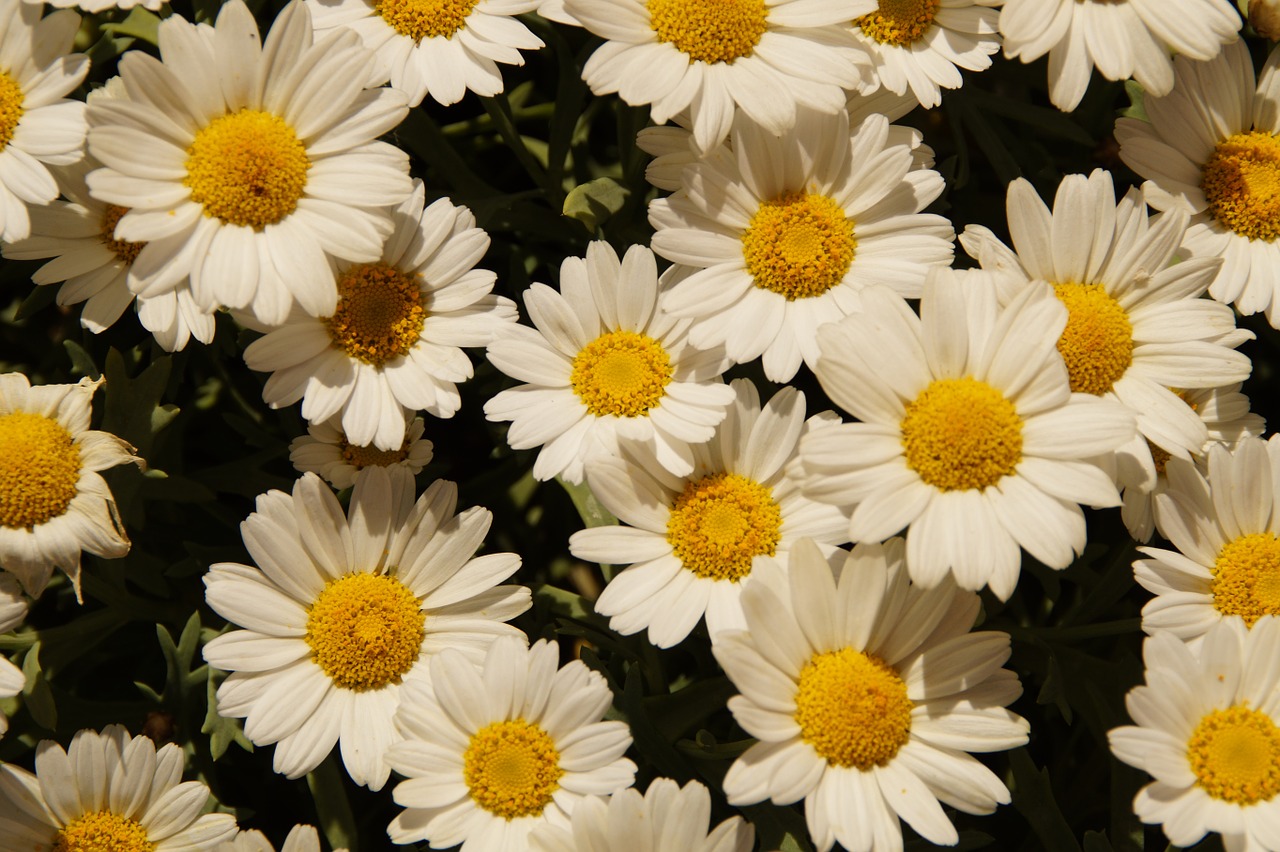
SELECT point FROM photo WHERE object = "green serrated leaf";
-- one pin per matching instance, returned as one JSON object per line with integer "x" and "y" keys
{"x": 222, "y": 731}
{"x": 81, "y": 361}
{"x": 36, "y": 693}
{"x": 594, "y": 202}
{"x": 1137, "y": 107}
{"x": 140, "y": 24}
{"x": 1033, "y": 797}
{"x": 336, "y": 819}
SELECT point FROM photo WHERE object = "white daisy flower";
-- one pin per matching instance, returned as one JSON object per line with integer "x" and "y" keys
{"x": 393, "y": 344}
{"x": 1208, "y": 733}
{"x": 441, "y": 48}
{"x": 666, "y": 817}
{"x": 970, "y": 437}
{"x": 54, "y": 503}
{"x": 865, "y": 693}
{"x": 606, "y": 362}
{"x": 302, "y": 838}
{"x": 325, "y": 450}
{"x": 1136, "y": 38}
{"x": 13, "y": 611}
{"x": 491, "y": 753}
{"x": 711, "y": 58}
{"x": 1211, "y": 146}
{"x": 247, "y": 166}
{"x": 775, "y": 237}
{"x": 690, "y": 540}
{"x": 345, "y": 609}
{"x": 107, "y": 791}
{"x": 39, "y": 126}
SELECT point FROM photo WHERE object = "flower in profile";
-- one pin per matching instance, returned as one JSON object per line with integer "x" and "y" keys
{"x": 866, "y": 694}
{"x": 343, "y": 610}
{"x": 325, "y": 450}
{"x": 1208, "y": 733}
{"x": 246, "y": 166}
{"x": 493, "y": 752}
{"x": 302, "y": 838}
{"x": 54, "y": 503}
{"x": 13, "y": 610}
{"x": 606, "y": 362}
{"x": 107, "y": 791}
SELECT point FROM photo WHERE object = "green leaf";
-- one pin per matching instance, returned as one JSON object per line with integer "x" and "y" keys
{"x": 591, "y": 511}
{"x": 336, "y": 820}
{"x": 1137, "y": 107}
{"x": 1034, "y": 799}
{"x": 39, "y": 698}
{"x": 1096, "y": 841}
{"x": 140, "y": 24}
{"x": 594, "y": 202}
{"x": 81, "y": 361}
{"x": 130, "y": 410}
{"x": 222, "y": 731}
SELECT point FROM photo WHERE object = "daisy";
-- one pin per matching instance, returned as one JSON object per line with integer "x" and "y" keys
{"x": 392, "y": 345}
{"x": 107, "y": 791}
{"x": 970, "y": 437}
{"x": 1134, "y": 39}
{"x": 866, "y": 693}
{"x": 491, "y": 753}
{"x": 247, "y": 166}
{"x": 712, "y": 58}
{"x": 666, "y": 817}
{"x": 345, "y": 609}
{"x": 1211, "y": 146}
{"x": 690, "y": 540}
{"x": 606, "y": 362}
{"x": 778, "y": 236}
{"x": 1208, "y": 733}
{"x": 54, "y": 503}
{"x": 325, "y": 450}
{"x": 13, "y": 610}
{"x": 39, "y": 126}
{"x": 302, "y": 838}
{"x": 429, "y": 47}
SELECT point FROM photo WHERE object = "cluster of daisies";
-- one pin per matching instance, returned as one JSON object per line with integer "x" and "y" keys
{"x": 832, "y": 560}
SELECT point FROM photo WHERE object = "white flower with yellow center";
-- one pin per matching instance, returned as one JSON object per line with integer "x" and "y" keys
{"x": 775, "y": 237}
{"x": 491, "y": 753}
{"x": 343, "y": 611}
{"x": 248, "y": 166}
{"x": 690, "y": 540}
{"x": 393, "y": 344}
{"x": 13, "y": 610}
{"x": 865, "y": 693}
{"x": 714, "y": 58}
{"x": 107, "y": 792}
{"x": 970, "y": 435}
{"x": 1130, "y": 38}
{"x": 54, "y": 503}
{"x": 1208, "y": 733}
{"x": 1212, "y": 146}
{"x": 441, "y": 48}
{"x": 325, "y": 450}
{"x": 302, "y": 838}
{"x": 606, "y": 362}
{"x": 921, "y": 45}
{"x": 39, "y": 126}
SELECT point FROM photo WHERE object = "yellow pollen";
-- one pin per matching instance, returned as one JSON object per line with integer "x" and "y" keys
{"x": 899, "y": 22}
{"x": 247, "y": 168}
{"x": 102, "y": 831}
{"x": 798, "y": 245}
{"x": 10, "y": 108}
{"x": 719, "y": 522}
{"x": 362, "y": 457}
{"x": 512, "y": 768}
{"x": 1241, "y": 182}
{"x": 852, "y": 708}
{"x": 621, "y": 373}
{"x": 1246, "y": 577}
{"x": 125, "y": 251}
{"x": 710, "y": 30}
{"x": 419, "y": 19}
{"x": 379, "y": 315}
{"x": 1097, "y": 343}
{"x": 39, "y": 469}
{"x": 365, "y": 630}
{"x": 960, "y": 434}
{"x": 1159, "y": 456}
{"x": 1235, "y": 755}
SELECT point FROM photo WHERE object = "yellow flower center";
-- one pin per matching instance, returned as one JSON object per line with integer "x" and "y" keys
{"x": 1158, "y": 455}
{"x": 960, "y": 434}
{"x": 125, "y": 251}
{"x": 419, "y": 19}
{"x": 1235, "y": 755}
{"x": 852, "y": 708}
{"x": 1246, "y": 577}
{"x": 798, "y": 245}
{"x": 39, "y": 469}
{"x": 621, "y": 373}
{"x": 1097, "y": 343}
{"x": 899, "y": 22}
{"x": 362, "y": 457}
{"x": 247, "y": 168}
{"x": 710, "y": 30}
{"x": 720, "y": 522}
{"x": 102, "y": 831}
{"x": 512, "y": 768}
{"x": 379, "y": 315}
{"x": 10, "y": 108}
{"x": 1241, "y": 182}
{"x": 365, "y": 630}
